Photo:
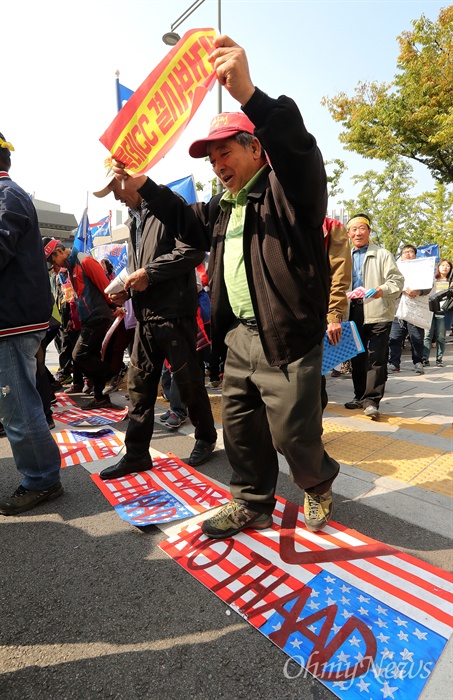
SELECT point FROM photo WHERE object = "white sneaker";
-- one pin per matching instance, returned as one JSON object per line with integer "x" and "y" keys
{"x": 418, "y": 368}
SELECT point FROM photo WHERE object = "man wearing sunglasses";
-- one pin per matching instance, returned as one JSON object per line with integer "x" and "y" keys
{"x": 24, "y": 318}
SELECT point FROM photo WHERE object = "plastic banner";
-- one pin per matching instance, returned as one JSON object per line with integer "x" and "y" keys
{"x": 155, "y": 116}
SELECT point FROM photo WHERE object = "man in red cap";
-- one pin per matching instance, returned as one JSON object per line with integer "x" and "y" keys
{"x": 24, "y": 319}
{"x": 89, "y": 281}
{"x": 270, "y": 289}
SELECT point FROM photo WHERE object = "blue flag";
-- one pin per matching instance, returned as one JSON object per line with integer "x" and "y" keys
{"x": 186, "y": 188}
{"x": 83, "y": 240}
{"x": 125, "y": 93}
{"x": 428, "y": 251}
{"x": 122, "y": 94}
{"x": 102, "y": 227}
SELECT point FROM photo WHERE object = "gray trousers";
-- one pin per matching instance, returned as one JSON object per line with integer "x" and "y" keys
{"x": 266, "y": 410}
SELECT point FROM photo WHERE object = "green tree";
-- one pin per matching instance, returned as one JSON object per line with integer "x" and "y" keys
{"x": 384, "y": 197}
{"x": 413, "y": 115}
{"x": 333, "y": 180}
{"x": 436, "y": 219}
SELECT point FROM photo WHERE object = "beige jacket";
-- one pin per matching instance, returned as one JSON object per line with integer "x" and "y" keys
{"x": 380, "y": 270}
{"x": 338, "y": 250}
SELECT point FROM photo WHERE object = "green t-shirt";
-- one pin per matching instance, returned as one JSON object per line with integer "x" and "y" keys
{"x": 233, "y": 259}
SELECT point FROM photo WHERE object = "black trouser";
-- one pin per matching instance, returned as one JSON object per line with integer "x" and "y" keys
{"x": 174, "y": 340}
{"x": 266, "y": 410}
{"x": 87, "y": 353}
{"x": 369, "y": 368}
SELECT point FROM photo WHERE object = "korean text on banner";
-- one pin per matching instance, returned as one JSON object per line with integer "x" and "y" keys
{"x": 155, "y": 116}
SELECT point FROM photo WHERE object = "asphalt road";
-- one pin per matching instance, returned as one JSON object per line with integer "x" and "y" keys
{"x": 92, "y": 608}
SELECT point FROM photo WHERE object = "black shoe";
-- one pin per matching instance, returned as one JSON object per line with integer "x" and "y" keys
{"x": 50, "y": 423}
{"x": 2, "y": 430}
{"x": 103, "y": 402}
{"x": 201, "y": 452}
{"x": 355, "y": 403}
{"x": 23, "y": 499}
{"x": 126, "y": 466}
{"x": 74, "y": 389}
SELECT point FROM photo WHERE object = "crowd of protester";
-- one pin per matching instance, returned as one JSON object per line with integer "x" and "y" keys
{"x": 271, "y": 306}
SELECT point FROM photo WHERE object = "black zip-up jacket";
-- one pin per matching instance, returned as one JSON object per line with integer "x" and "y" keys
{"x": 170, "y": 266}
{"x": 284, "y": 254}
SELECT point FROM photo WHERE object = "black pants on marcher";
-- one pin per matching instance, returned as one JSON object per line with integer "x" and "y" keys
{"x": 174, "y": 340}
{"x": 87, "y": 353}
{"x": 369, "y": 368}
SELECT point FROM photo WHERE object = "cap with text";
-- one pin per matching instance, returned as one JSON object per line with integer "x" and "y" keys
{"x": 223, "y": 126}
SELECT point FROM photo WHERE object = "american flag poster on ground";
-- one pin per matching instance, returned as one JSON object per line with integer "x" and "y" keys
{"x": 170, "y": 491}
{"x": 77, "y": 447}
{"x": 63, "y": 400}
{"x": 98, "y": 416}
{"x": 365, "y": 619}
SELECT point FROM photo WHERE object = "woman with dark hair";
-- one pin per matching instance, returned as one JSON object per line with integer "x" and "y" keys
{"x": 442, "y": 280}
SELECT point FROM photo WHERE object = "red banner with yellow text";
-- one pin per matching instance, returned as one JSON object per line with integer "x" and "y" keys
{"x": 153, "y": 119}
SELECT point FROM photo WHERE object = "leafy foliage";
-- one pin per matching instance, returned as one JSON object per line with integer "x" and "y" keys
{"x": 396, "y": 216}
{"x": 413, "y": 115}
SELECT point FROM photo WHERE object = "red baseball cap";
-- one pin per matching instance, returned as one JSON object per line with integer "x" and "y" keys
{"x": 223, "y": 126}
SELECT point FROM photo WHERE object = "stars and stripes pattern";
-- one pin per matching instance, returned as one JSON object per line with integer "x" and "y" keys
{"x": 97, "y": 416}
{"x": 367, "y": 620}
{"x": 77, "y": 448}
{"x": 170, "y": 491}
{"x": 63, "y": 400}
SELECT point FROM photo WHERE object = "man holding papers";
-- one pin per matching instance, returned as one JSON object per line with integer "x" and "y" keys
{"x": 401, "y": 327}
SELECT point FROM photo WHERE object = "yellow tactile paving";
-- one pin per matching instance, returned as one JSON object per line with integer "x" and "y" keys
{"x": 447, "y": 433}
{"x": 331, "y": 431}
{"x": 417, "y": 465}
{"x": 438, "y": 477}
{"x": 400, "y": 460}
{"x": 345, "y": 451}
{"x": 403, "y": 423}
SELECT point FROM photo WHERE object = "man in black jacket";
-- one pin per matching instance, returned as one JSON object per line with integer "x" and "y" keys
{"x": 164, "y": 295}
{"x": 269, "y": 282}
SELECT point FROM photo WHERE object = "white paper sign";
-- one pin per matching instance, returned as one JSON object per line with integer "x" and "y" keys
{"x": 415, "y": 311}
{"x": 418, "y": 273}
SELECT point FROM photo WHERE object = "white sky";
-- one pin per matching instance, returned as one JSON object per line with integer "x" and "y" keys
{"x": 57, "y": 77}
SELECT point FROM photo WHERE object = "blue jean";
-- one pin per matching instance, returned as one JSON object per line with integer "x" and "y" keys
{"x": 398, "y": 333}
{"x": 438, "y": 325}
{"x": 34, "y": 450}
{"x": 171, "y": 391}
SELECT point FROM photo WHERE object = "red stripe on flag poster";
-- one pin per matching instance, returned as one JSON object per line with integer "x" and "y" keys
{"x": 76, "y": 451}
{"x": 63, "y": 400}
{"x": 172, "y": 475}
{"x": 342, "y": 558}
{"x": 77, "y": 416}
{"x": 176, "y": 477}
{"x": 238, "y": 575}
{"x": 400, "y": 593}
{"x": 427, "y": 602}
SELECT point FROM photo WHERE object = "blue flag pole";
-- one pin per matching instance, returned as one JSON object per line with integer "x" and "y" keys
{"x": 118, "y": 93}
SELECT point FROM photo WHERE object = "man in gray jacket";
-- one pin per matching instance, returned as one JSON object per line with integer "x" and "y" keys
{"x": 372, "y": 268}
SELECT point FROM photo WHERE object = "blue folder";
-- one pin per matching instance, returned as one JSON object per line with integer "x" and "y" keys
{"x": 349, "y": 346}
